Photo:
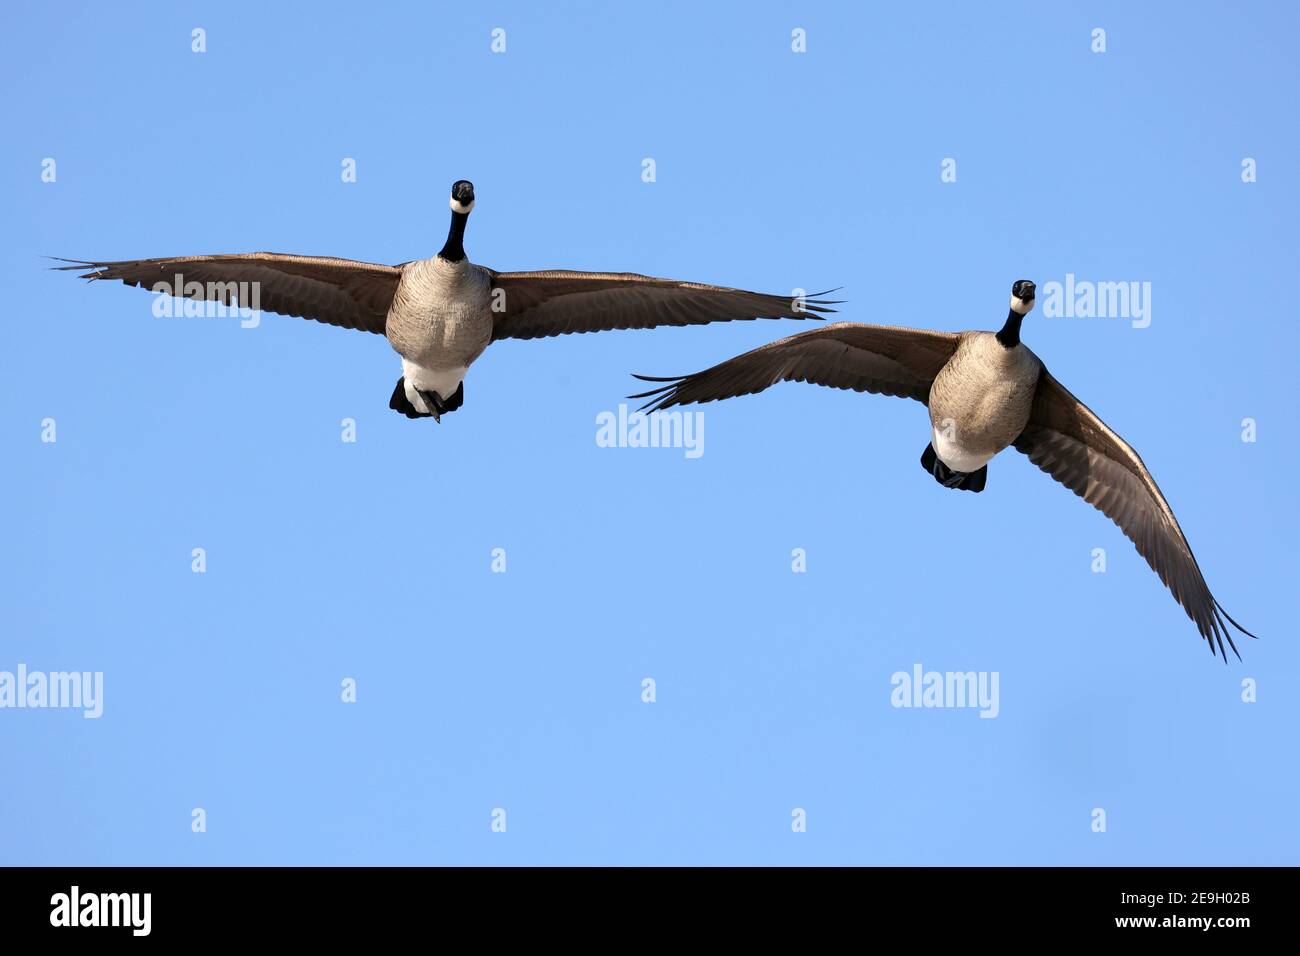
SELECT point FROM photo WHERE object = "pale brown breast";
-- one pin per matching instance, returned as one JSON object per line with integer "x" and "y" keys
{"x": 982, "y": 397}
{"x": 441, "y": 315}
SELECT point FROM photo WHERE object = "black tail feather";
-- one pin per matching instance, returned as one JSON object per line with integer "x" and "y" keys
{"x": 456, "y": 400}
{"x": 400, "y": 403}
{"x": 961, "y": 480}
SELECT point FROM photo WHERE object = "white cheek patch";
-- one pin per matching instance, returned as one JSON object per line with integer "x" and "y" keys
{"x": 462, "y": 208}
{"x": 1022, "y": 306}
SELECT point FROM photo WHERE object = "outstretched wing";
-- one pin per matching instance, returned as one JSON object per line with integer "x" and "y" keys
{"x": 343, "y": 292}
{"x": 1066, "y": 439}
{"x": 540, "y": 304}
{"x": 886, "y": 360}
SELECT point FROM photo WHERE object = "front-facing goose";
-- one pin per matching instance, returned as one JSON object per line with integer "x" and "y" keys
{"x": 440, "y": 313}
{"x": 985, "y": 391}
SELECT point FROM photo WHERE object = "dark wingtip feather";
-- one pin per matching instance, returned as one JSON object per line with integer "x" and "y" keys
{"x": 810, "y": 305}
{"x": 658, "y": 378}
{"x": 76, "y": 264}
{"x": 655, "y": 391}
{"x": 1228, "y": 634}
{"x": 1216, "y": 631}
{"x": 96, "y": 268}
{"x": 1234, "y": 622}
{"x": 659, "y": 397}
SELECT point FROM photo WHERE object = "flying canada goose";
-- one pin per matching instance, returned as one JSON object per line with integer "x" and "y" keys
{"x": 439, "y": 314}
{"x": 985, "y": 391}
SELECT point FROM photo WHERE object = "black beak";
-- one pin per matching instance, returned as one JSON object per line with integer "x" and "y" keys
{"x": 463, "y": 192}
{"x": 1024, "y": 289}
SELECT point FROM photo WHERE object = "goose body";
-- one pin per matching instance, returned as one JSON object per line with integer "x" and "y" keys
{"x": 441, "y": 313}
{"x": 439, "y": 323}
{"x": 985, "y": 392}
{"x": 980, "y": 400}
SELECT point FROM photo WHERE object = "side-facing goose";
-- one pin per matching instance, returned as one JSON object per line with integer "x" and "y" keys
{"x": 440, "y": 314}
{"x": 985, "y": 391}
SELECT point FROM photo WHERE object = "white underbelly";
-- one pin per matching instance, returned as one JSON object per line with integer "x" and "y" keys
{"x": 954, "y": 456}
{"x": 417, "y": 378}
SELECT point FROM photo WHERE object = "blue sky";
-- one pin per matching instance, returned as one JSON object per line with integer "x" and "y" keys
{"x": 371, "y": 560}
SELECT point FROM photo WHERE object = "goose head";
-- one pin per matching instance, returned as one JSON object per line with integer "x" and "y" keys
{"x": 462, "y": 197}
{"x": 1022, "y": 296}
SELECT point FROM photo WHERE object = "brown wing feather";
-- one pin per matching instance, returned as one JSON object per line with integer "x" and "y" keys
{"x": 342, "y": 292}
{"x": 556, "y": 302}
{"x": 1067, "y": 440}
{"x": 886, "y": 360}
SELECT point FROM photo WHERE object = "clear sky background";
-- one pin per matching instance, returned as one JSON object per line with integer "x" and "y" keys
{"x": 371, "y": 560}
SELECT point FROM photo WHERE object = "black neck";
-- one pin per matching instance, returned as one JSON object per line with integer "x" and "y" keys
{"x": 454, "y": 249}
{"x": 1009, "y": 336}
